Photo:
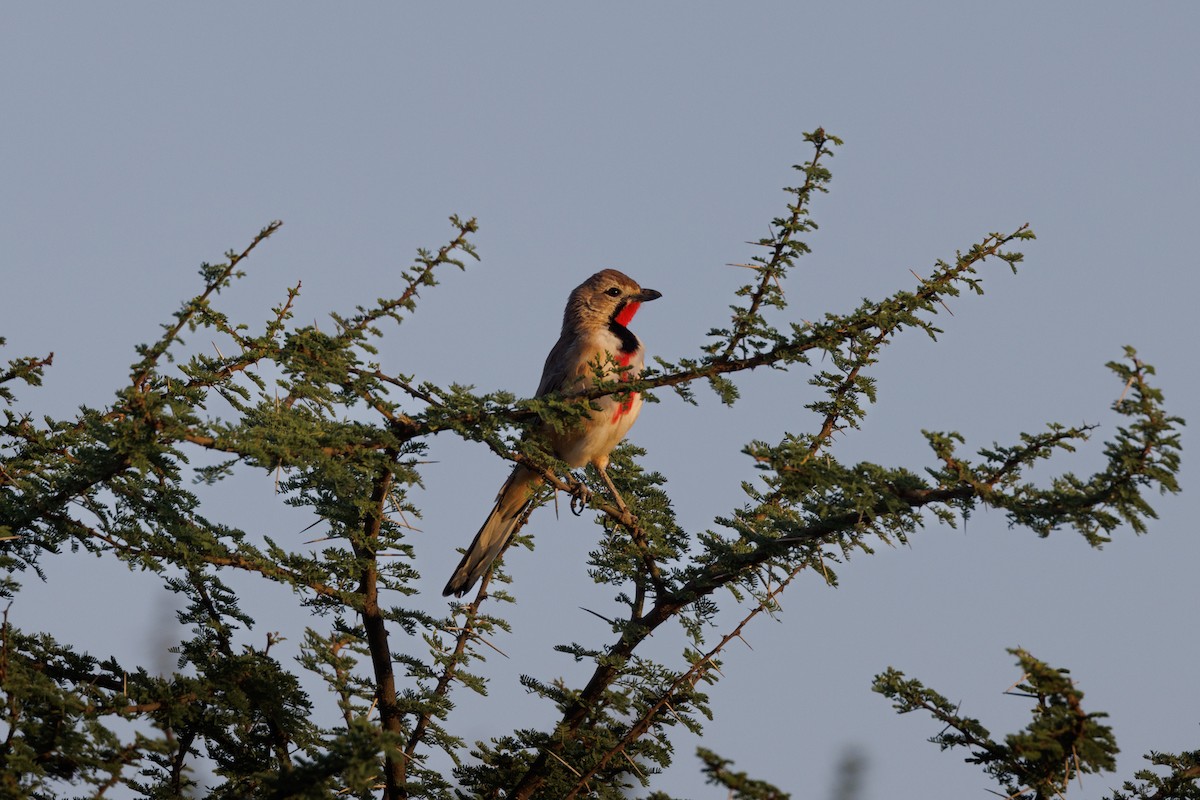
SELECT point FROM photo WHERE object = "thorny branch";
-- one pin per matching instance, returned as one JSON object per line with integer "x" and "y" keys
{"x": 223, "y": 559}
{"x": 783, "y": 244}
{"x": 666, "y": 607}
{"x": 216, "y": 281}
{"x": 816, "y": 337}
{"x": 686, "y": 680}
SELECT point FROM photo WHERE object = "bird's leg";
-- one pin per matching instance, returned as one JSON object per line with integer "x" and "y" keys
{"x": 613, "y": 490}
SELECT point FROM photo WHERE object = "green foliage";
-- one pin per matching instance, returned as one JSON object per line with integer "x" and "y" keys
{"x": 1182, "y": 782}
{"x": 345, "y": 442}
{"x": 740, "y": 786}
{"x": 1060, "y": 742}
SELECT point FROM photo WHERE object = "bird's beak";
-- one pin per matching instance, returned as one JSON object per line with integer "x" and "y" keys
{"x": 646, "y": 295}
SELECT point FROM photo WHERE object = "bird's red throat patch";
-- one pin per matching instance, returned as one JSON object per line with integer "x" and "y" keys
{"x": 626, "y": 315}
{"x": 623, "y": 318}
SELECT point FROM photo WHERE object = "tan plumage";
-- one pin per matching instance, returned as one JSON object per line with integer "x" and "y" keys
{"x": 594, "y": 329}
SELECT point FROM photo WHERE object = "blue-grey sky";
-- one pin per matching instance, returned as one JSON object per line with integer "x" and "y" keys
{"x": 142, "y": 139}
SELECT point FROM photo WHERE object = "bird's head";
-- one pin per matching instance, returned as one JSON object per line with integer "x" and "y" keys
{"x": 607, "y": 297}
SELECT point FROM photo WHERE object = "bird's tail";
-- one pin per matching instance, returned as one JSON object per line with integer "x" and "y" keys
{"x": 511, "y": 503}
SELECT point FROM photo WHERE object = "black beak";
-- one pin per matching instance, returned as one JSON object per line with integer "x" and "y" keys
{"x": 646, "y": 295}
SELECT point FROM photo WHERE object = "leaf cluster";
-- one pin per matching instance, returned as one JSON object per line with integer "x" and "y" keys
{"x": 1061, "y": 742}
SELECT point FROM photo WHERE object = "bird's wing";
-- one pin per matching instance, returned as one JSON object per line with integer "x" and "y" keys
{"x": 570, "y": 367}
{"x": 563, "y": 367}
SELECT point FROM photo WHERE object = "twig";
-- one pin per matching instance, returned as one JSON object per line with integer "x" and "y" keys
{"x": 559, "y": 760}
{"x": 939, "y": 299}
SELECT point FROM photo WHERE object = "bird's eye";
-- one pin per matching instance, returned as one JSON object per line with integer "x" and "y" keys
{"x": 613, "y": 292}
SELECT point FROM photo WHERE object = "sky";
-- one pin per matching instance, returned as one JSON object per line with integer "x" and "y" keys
{"x": 143, "y": 139}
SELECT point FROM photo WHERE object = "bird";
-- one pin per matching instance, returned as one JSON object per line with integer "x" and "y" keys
{"x": 595, "y": 332}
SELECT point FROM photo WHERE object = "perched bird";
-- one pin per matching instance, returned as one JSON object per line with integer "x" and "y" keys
{"x": 595, "y": 331}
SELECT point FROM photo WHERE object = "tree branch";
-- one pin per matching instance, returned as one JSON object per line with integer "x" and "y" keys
{"x": 390, "y": 715}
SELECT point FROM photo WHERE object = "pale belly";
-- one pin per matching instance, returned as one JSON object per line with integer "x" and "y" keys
{"x": 594, "y": 441}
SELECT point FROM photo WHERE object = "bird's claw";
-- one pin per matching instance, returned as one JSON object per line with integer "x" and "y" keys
{"x": 580, "y": 495}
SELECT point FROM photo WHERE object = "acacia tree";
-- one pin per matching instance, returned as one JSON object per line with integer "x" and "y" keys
{"x": 345, "y": 440}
